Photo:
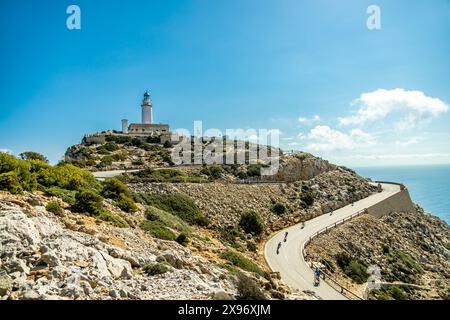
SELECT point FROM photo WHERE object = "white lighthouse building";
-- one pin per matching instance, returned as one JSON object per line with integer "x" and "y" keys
{"x": 146, "y": 127}
{"x": 147, "y": 116}
{"x": 140, "y": 130}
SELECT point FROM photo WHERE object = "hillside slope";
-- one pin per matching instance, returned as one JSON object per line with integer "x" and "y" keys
{"x": 409, "y": 248}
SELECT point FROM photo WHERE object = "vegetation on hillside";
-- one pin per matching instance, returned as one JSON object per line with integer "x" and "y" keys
{"x": 353, "y": 268}
{"x": 251, "y": 222}
{"x": 77, "y": 187}
{"x": 179, "y": 205}
{"x": 239, "y": 260}
{"x": 161, "y": 175}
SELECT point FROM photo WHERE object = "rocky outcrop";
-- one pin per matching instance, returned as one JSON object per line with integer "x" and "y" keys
{"x": 43, "y": 259}
{"x": 411, "y": 249}
{"x": 301, "y": 166}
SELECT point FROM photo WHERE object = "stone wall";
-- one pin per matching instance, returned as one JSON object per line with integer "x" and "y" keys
{"x": 399, "y": 202}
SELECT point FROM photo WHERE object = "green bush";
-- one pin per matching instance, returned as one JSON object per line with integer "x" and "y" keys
{"x": 136, "y": 142}
{"x": 353, "y": 268}
{"x": 182, "y": 239}
{"x": 248, "y": 289}
{"x": 87, "y": 201}
{"x": 214, "y": 172}
{"x": 254, "y": 170}
{"x": 54, "y": 207}
{"x": 67, "y": 196}
{"x": 389, "y": 293}
{"x": 163, "y": 175}
{"x": 126, "y": 203}
{"x": 112, "y": 188}
{"x": 404, "y": 267}
{"x": 106, "y": 161}
{"x": 251, "y": 246}
{"x": 307, "y": 198}
{"x": 179, "y": 205}
{"x": 118, "y": 157}
{"x": 251, "y": 222}
{"x": 10, "y": 181}
{"x": 156, "y": 268}
{"x": 110, "y": 146}
{"x": 119, "y": 139}
{"x": 242, "y": 175}
{"x": 116, "y": 190}
{"x": 116, "y": 220}
{"x": 230, "y": 234}
{"x": 278, "y": 208}
{"x": 167, "y": 144}
{"x": 357, "y": 272}
{"x": 153, "y": 139}
{"x": 158, "y": 230}
{"x": 241, "y": 261}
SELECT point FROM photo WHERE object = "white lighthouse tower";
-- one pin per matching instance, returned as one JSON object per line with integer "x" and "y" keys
{"x": 147, "y": 109}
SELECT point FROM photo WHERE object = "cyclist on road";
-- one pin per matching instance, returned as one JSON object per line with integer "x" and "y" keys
{"x": 285, "y": 236}
{"x": 278, "y": 247}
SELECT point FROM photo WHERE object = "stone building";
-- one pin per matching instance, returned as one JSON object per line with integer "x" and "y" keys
{"x": 144, "y": 129}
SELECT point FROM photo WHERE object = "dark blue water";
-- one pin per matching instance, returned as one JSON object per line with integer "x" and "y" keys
{"x": 429, "y": 186}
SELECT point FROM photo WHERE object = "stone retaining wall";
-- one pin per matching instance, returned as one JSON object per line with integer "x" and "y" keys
{"x": 399, "y": 202}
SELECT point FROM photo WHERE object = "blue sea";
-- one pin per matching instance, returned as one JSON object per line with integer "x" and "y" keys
{"x": 429, "y": 186}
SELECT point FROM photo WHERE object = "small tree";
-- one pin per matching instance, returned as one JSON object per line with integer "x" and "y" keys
{"x": 278, "y": 208}
{"x": 248, "y": 289}
{"x": 251, "y": 222}
{"x": 87, "y": 201}
{"x": 182, "y": 239}
{"x": 31, "y": 155}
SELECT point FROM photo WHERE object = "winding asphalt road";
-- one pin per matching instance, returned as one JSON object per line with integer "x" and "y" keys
{"x": 293, "y": 268}
{"x": 102, "y": 175}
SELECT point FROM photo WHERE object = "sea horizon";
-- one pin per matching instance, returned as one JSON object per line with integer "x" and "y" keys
{"x": 429, "y": 187}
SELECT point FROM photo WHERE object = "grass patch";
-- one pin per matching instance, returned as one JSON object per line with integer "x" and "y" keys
{"x": 163, "y": 175}
{"x": 54, "y": 207}
{"x": 68, "y": 196}
{"x": 169, "y": 220}
{"x": 158, "y": 230}
{"x": 179, "y": 205}
{"x": 353, "y": 268}
{"x": 241, "y": 261}
{"x": 403, "y": 267}
{"x": 115, "y": 219}
{"x": 389, "y": 293}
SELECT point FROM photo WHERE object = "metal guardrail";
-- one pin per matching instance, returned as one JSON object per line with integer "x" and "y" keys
{"x": 327, "y": 277}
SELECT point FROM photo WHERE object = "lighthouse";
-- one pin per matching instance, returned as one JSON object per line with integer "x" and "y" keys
{"x": 146, "y": 109}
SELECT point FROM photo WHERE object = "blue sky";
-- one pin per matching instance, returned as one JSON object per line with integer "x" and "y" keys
{"x": 311, "y": 69}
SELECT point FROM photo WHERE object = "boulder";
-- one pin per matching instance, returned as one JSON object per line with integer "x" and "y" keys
{"x": 222, "y": 295}
{"x": 6, "y": 284}
{"x": 51, "y": 259}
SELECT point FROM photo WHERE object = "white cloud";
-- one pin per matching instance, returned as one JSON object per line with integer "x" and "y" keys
{"x": 409, "y": 142}
{"x": 6, "y": 151}
{"x": 416, "y": 107}
{"x": 307, "y": 121}
{"x": 324, "y": 138}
